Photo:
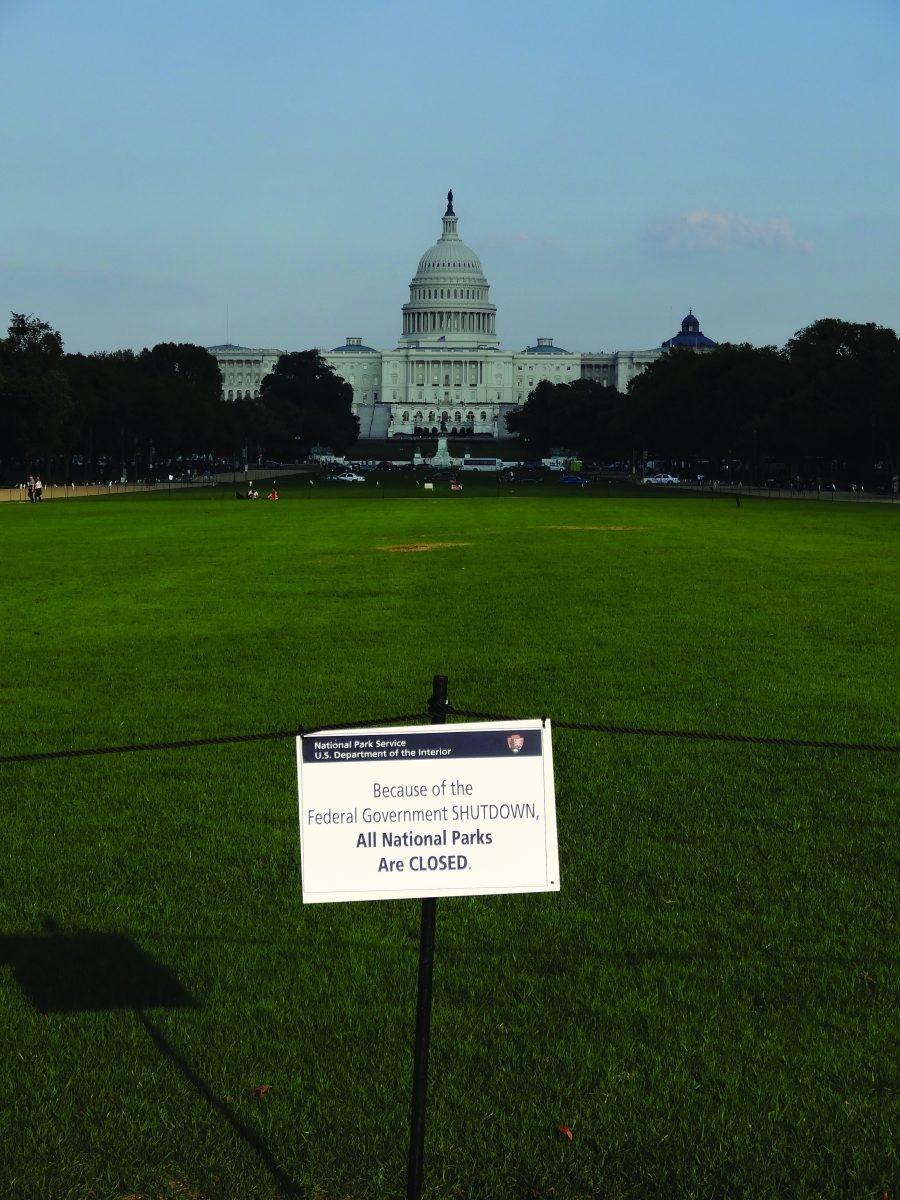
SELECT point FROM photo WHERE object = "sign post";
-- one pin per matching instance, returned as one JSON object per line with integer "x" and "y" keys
{"x": 423, "y": 812}
{"x": 437, "y": 707}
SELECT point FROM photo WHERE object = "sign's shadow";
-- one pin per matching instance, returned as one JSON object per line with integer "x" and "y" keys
{"x": 89, "y": 972}
{"x": 85, "y": 972}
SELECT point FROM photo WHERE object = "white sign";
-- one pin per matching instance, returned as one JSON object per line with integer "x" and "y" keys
{"x": 427, "y": 810}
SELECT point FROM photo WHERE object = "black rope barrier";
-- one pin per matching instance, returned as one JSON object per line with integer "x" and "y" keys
{"x": 190, "y": 743}
{"x": 690, "y": 734}
{"x": 452, "y": 710}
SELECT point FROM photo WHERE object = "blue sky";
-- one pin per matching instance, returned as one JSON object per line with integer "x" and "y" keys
{"x": 613, "y": 163}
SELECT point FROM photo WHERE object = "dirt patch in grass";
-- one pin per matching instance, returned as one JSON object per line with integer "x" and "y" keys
{"x": 598, "y": 528}
{"x": 420, "y": 547}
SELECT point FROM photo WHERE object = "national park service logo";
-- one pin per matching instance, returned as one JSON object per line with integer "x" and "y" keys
{"x": 515, "y": 741}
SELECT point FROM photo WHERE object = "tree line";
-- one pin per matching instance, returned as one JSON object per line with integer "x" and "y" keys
{"x": 827, "y": 404}
{"x": 75, "y": 417}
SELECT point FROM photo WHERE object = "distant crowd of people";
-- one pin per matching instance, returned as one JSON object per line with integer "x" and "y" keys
{"x": 253, "y": 494}
{"x": 34, "y": 487}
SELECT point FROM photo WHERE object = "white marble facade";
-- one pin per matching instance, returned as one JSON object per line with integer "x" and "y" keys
{"x": 448, "y": 373}
{"x": 243, "y": 369}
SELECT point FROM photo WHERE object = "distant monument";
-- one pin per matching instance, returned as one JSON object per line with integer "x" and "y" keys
{"x": 441, "y": 456}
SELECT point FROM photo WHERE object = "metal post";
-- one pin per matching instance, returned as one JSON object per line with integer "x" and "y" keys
{"x": 437, "y": 707}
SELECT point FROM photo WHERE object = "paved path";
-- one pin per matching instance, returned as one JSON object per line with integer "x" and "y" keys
{"x": 75, "y": 491}
{"x": 728, "y": 492}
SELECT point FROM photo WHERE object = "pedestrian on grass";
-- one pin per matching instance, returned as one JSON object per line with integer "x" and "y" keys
{"x": 38, "y": 490}
{"x": 31, "y": 489}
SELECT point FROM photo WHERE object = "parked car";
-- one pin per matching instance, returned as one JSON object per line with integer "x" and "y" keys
{"x": 346, "y": 477}
{"x": 574, "y": 479}
{"x": 661, "y": 479}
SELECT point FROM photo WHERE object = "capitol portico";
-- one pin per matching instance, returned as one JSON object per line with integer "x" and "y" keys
{"x": 448, "y": 373}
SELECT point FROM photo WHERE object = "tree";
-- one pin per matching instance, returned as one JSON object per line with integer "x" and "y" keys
{"x": 536, "y": 421}
{"x": 110, "y": 395}
{"x": 29, "y": 336}
{"x": 36, "y": 407}
{"x": 727, "y": 403}
{"x": 183, "y": 411}
{"x": 304, "y": 404}
{"x": 578, "y": 415}
{"x": 845, "y": 390}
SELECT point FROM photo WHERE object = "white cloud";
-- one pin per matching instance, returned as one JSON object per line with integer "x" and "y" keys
{"x": 704, "y": 229}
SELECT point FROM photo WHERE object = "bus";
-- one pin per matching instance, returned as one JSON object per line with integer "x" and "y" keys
{"x": 481, "y": 464}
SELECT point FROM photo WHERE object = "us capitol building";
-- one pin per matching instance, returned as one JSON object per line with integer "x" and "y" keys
{"x": 448, "y": 374}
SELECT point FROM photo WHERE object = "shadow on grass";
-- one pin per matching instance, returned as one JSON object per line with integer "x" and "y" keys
{"x": 219, "y": 1106}
{"x": 99, "y": 972}
{"x": 88, "y": 972}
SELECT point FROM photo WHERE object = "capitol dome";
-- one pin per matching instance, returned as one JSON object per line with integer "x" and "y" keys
{"x": 450, "y": 256}
{"x": 449, "y": 299}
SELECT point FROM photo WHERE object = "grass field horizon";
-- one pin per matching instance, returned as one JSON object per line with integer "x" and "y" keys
{"x": 710, "y": 1002}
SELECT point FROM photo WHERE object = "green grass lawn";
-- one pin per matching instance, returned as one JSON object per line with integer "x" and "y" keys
{"x": 709, "y": 1004}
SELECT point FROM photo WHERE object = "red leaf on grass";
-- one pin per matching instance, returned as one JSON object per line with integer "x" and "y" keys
{"x": 565, "y": 1131}
{"x": 260, "y": 1091}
